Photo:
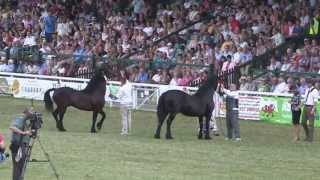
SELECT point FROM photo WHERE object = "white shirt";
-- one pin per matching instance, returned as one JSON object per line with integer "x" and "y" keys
{"x": 3, "y": 67}
{"x": 285, "y": 67}
{"x": 148, "y": 30}
{"x": 217, "y": 102}
{"x": 234, "y": 94}
{"x": 281, "y": 88}
{"x": 124, "y": 94}
{"x": 238, "y": 57}
{"x": 278, "y": 39}
{"x": 156, "y": 78}
{"x": 173, "y": 82}
{"x": 30, "y": 41}
{"x": 63, "y": 29}
{"x": 313, "y": 96}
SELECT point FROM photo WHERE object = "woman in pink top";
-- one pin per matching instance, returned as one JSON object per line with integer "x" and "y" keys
{"x": 27, "y": 22}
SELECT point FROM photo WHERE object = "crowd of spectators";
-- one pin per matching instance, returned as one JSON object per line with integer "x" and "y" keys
{"x": 303, "y": 60}
{"x": 110, "y": 29}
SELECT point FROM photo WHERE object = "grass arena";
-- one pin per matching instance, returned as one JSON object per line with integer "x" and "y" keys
{"x": 265, "y": 152}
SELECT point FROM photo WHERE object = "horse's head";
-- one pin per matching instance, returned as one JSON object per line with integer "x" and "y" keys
{"x": 213, "y": 79}
{"x": 210, "y": 85}
{"x": 106, "y": 69}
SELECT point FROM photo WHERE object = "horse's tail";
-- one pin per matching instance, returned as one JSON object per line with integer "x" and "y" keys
{"x": 48, "y": 101}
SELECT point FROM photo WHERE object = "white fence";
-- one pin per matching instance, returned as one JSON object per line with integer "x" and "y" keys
{"x": 145, "y": 96}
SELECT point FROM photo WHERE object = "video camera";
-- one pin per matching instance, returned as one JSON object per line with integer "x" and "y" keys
{"x": 35, "y": 123}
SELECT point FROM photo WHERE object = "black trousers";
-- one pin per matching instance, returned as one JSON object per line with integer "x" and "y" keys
{"x": 18, "y": 166}
{"x": 232, "y": 118}
{"x": 232, "y": 123}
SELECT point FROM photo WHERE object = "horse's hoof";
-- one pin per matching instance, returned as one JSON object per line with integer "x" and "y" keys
{"x": 157, "y": 136}
{"x": 200, "y": 137}
{"x": 208, "y": 138}
{"x": 93, "y": 131}
{"x": 99, "y": 126}
{"x": 169, "y": 137}
{"x": 62, "y": 129}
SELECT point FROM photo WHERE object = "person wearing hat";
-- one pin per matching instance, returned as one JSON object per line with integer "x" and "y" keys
{"x": 20, "y": 128}
{"x": 308, "y": 116}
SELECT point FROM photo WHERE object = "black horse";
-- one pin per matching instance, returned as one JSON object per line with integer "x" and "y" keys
{"x": 92, "y": 98}
{"x": 199, "y": 105}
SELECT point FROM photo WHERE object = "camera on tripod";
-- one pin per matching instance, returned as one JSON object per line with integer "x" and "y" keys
{"x": 35, "y": 123}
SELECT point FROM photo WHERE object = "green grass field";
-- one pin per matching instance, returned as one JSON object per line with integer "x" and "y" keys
{"x": 266, "y": 151}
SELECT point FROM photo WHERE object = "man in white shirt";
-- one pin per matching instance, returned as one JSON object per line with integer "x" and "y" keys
{"x": 124, "y": 95}
{"x": 309, "y": 111}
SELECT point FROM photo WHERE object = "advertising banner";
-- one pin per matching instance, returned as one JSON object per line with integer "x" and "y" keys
{"x": 278, "y": 110}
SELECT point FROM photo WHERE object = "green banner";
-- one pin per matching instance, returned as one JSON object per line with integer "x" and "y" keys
{"x": 278, "y": 110}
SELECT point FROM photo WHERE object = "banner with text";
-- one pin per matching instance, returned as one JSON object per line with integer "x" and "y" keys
{"x": 278, "y": 110}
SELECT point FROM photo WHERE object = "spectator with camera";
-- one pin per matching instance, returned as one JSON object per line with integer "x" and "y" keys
{"x": 21, "y": 134}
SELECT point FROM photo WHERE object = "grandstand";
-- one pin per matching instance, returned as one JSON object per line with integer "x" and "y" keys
{"x": 67, "y": 38}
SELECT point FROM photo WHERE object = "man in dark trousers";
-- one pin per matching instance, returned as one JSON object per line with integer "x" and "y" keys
{"x": 309, "y": 110}
{"x": 21, "y": 133}
{"x": 232, "y": 112}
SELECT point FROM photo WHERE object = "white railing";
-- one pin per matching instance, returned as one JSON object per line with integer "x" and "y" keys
{"x": 145, "y": 96}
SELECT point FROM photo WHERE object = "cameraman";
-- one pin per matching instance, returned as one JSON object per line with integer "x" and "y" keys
{"x": 21, "y": 133}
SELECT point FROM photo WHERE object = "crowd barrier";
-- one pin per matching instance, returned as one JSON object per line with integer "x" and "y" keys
{"x": 271, "y": 107}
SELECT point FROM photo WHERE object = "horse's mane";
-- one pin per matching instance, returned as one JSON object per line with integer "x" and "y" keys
{"x": 94, "y": 82}
{"x": 209, "y": 85}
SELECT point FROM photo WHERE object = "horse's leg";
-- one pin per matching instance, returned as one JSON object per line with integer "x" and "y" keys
{"x": 161, "y": 118}
{"x": 94, "y": 119}
{"x": 169, "y": 122}
{"x": 99, "y": 125}
{"x": 201, "y": 127}
{"x": 61, "y": 111}
{"x": 55, "y": 115}
{"x": 207, "y": 127}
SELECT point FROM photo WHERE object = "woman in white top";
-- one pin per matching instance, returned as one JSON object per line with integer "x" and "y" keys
{"x": 125, "y": 97}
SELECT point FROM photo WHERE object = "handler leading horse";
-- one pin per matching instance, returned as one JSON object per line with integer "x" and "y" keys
{"x": 199, "y": 105}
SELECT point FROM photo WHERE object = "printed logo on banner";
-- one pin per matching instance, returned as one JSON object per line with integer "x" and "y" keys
{"x": 268, "y": 107}
{"x": 15, "y": 87}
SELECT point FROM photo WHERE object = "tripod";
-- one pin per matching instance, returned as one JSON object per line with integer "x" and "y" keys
{"x": 28, "y": 155}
